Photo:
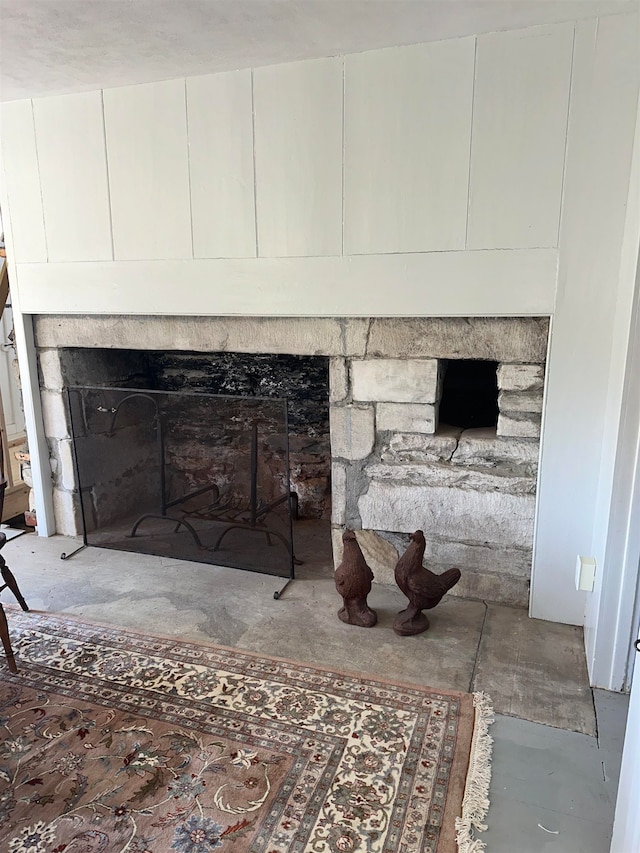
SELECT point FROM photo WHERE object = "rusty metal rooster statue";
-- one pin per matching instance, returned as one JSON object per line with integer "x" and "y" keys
{"x": 353, "y": 581}
{"x": 423, "y": 588}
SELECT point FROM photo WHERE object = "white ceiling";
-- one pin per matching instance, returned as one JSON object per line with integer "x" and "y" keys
{"x": 58, "y": 46}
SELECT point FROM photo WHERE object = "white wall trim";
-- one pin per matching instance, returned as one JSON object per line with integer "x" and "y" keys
{"x": 438, "y": 284}
{"x": 616, "y": 546}
{"x": 30, "y": 386}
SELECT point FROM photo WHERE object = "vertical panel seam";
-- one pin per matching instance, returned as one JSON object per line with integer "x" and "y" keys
{"x": 255, "y": 175}
{"x": 344, "y": 101}
{"x": 35, "y": 145}
{"x": 566, "y": 134}
{"x": 106, "y": 163}
{"x": 186, "y": 127}
{"x": 473, "y": 102}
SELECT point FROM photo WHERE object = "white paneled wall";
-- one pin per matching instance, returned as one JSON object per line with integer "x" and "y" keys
{"x": 439, "y": 147}
{"x": 147, "y": 150}
{"x": 73, "y": 177}
{"x": 220, "y": 125}
{"x": 521, "y": 103}
{"x": 298, "y": 150}
{"x": 22, "y": 177}
{"x": 407, "y": 132}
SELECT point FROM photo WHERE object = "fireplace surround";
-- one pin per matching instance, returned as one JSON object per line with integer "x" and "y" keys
{"x": 394, "y": 466}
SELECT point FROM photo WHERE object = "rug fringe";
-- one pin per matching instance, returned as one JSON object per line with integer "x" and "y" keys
{"x": 475, "y": 803}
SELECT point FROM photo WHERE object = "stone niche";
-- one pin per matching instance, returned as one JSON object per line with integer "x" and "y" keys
{"x": 394, "y": 466}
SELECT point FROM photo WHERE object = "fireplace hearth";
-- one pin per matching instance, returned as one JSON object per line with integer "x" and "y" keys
{"x": 370, "y": 443}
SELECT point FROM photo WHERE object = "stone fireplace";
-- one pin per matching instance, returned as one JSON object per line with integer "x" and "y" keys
{"x": 391, "y": 463}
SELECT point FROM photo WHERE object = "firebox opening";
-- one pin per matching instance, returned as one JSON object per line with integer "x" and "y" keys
{"x": 469, "y": 393}
{"x": 214, "y": 457}
{"x": 300, "y": 379}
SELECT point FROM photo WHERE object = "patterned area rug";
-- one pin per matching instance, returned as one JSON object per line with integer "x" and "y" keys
{"x": 115, "y": 741}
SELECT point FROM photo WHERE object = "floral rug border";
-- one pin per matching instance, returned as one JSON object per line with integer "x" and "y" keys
{"x": 184, "y": 693}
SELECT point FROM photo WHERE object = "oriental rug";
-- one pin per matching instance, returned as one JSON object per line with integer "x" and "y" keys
{"x": 111, "y": 740}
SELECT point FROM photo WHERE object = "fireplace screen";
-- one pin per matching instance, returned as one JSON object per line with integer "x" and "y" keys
{"x": 188, "y": 476}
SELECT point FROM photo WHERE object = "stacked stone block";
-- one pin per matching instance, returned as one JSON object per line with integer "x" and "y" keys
{"x": 58, "y": 435}
{"x": 520, "y": 400}
{"x": 395, "y": 469}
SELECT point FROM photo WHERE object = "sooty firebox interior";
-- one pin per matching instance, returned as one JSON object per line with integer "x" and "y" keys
{"x": 470, "y": 393}
{"x": 176, "y": 450}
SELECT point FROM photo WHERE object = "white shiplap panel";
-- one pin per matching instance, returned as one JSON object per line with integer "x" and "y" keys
{"x": 520, "y": 113}
{"x": 435, "y": 284}
{"x": 20, "y": 163}
{"x": 298, "y": 148}
{"x": 220, "y": 125}
{"x": 73, "y": 175}
{"x": 147, "y": 155}
{"x": 407, "y": 139}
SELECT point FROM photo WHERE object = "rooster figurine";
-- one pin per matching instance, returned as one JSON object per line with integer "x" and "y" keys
{"x": 353, "y": 581}
{"x": 423, "y": 588}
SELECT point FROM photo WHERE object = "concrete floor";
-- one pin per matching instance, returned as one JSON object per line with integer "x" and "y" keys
{"x": 548, "y": 762}
{"x": 553, "y": 791}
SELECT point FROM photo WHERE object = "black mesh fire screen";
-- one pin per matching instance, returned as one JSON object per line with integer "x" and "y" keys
{"x": 189, "y": 476}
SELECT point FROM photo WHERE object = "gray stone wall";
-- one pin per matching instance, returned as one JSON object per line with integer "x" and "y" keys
{"x": 394, "y": 467}
{"x": 86, "y": 367}
{"x": 471, "y": 491}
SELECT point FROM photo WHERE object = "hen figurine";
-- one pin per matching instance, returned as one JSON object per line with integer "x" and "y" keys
{"x": 423, "y": 588}
{"x": 353, "y": 581}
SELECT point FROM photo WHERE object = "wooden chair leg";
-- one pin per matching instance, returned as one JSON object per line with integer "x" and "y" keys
{"x": 6, "y": 642}
{"x": 8, "y": 578}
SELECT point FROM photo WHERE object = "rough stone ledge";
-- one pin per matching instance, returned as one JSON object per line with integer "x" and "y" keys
{"x": 512, "y": 339}
{"x": 482, "y": 447}
{"x": 479, "y": 448}
{"x": 504, "y": 339}
{"x": 487, "y": 518}
{"x": 405, "y": 448}
{"x": 292, "y": 335}
{"x": 460, "y": 478}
